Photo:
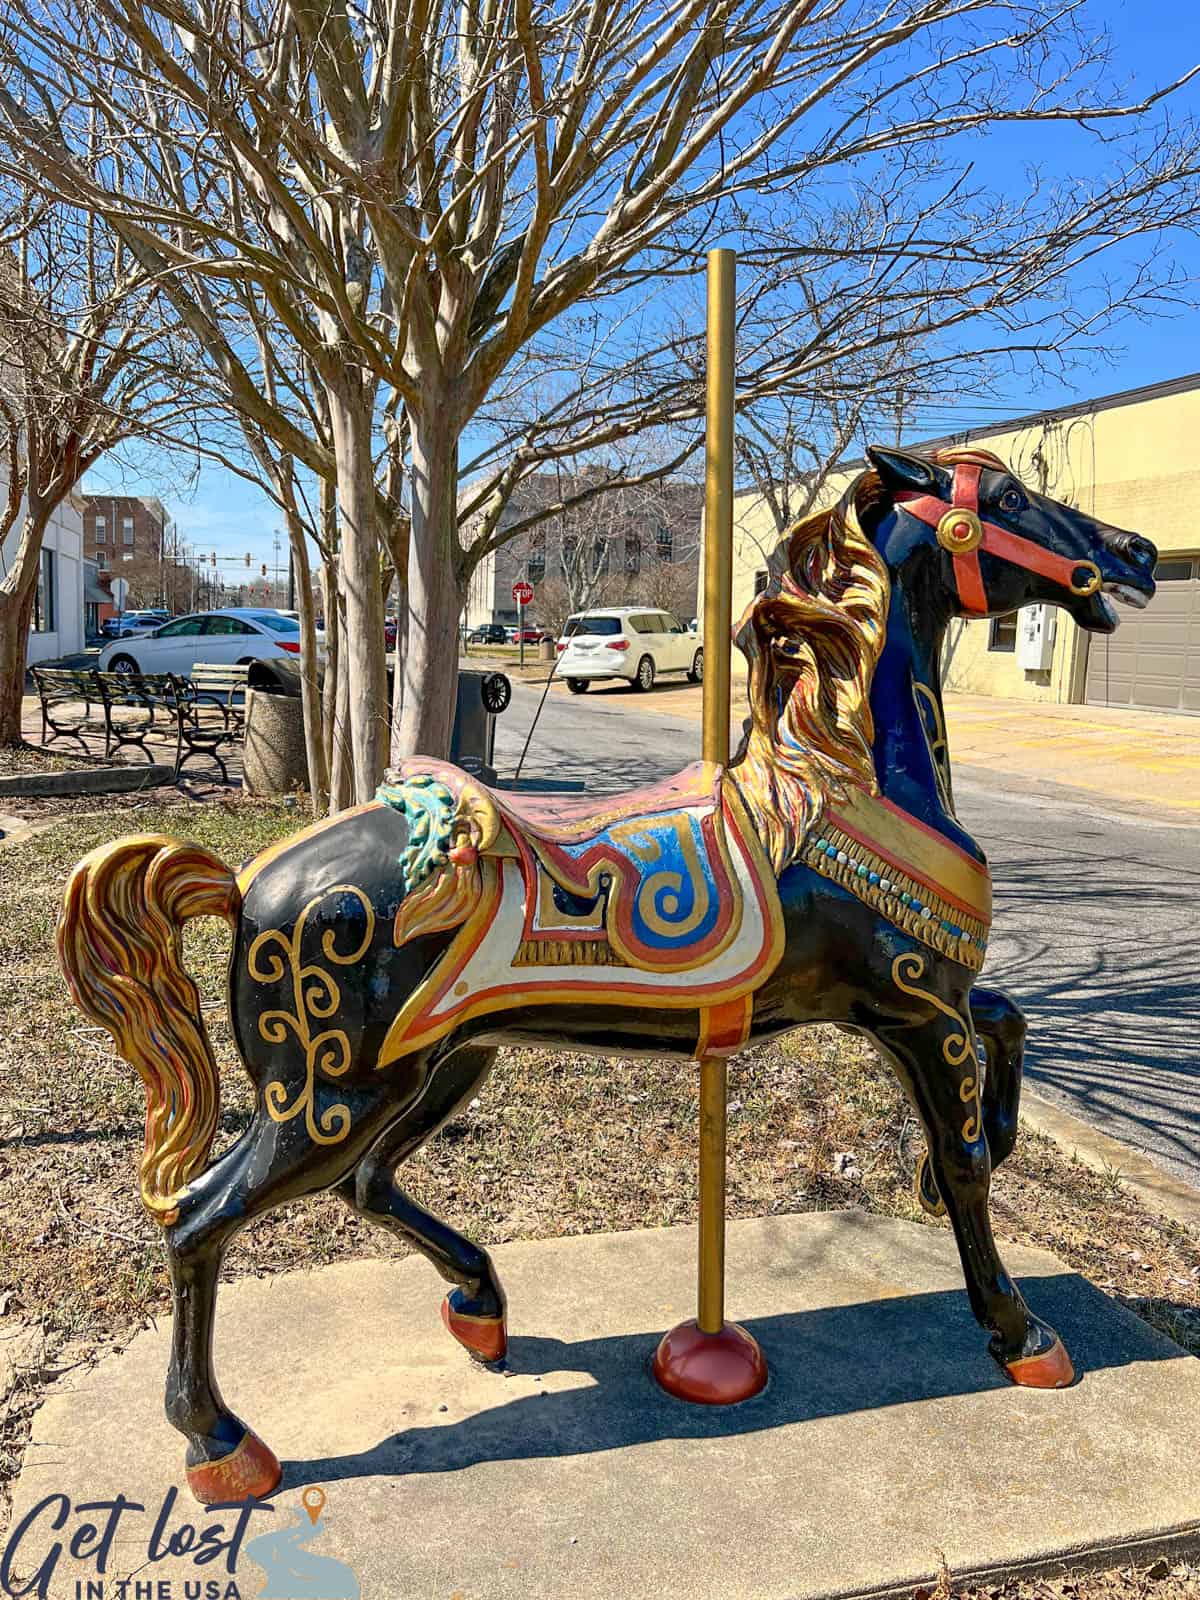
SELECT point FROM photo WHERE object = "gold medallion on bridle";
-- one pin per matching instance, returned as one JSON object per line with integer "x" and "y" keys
{"x": 960, "y": 531}
{"x": 1092, "y": 579}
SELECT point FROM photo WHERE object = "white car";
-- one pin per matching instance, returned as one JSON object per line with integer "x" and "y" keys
{"x": 233, "y": 637}
{"x": 631, "y": 642}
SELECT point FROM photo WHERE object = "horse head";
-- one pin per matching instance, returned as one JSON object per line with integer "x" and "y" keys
{"x": 990, "y": 544}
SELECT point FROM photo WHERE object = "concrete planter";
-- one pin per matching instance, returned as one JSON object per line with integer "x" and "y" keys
{"x": 274, "y": 761}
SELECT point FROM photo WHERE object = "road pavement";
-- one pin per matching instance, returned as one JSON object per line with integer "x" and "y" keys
{"x": 1096, "y": 912}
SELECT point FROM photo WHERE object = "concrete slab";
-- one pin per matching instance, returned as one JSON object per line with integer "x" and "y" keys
{"x": 885, "y": 1436}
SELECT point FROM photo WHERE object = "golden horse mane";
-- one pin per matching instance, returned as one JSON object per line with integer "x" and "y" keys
{"x": 812, "y": 639}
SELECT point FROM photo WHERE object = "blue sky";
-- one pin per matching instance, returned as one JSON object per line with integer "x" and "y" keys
{"x": 1155, "y": 39}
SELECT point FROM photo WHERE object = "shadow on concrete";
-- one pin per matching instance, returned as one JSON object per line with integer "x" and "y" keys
{"x": 824, "y": 1363}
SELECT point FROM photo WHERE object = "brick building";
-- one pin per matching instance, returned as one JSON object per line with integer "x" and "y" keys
{"x": 632, "y": 545}
{"x": 123, "y": 529}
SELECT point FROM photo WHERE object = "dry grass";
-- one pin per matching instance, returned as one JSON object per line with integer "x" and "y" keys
{"x": 31, "y": 759}
{"x": 556, "y": 1144}
{"x": 1157, "y": 1580}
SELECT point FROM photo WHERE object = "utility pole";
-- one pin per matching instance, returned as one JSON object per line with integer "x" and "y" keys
{"x": 162, "y": 558}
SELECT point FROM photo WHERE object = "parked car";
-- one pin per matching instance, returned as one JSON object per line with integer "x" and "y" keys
{"x": 528, "y": 635}
{"x": 238, "y": 635}
{"x": 133, "y": 624}
{"x": 488, "y": 633}
{"x": 630, "y": 642}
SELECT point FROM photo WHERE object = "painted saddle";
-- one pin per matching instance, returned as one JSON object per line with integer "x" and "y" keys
{"x": 663, "y": 889}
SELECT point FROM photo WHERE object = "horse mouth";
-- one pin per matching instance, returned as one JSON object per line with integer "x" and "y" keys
{"x": 1128, "y": 595}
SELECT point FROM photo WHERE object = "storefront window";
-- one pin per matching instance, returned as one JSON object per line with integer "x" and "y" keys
{"x": 43, "y": 603}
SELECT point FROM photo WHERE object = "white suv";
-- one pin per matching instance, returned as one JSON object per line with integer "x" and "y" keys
{"x": 631, "y": 642}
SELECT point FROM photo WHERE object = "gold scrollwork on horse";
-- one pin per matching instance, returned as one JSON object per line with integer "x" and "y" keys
{"x": 957, "y": 1047}
{"x": 316, "y": 996}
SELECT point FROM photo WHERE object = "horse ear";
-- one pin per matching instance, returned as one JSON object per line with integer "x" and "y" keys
{"x": 901, "y": 471}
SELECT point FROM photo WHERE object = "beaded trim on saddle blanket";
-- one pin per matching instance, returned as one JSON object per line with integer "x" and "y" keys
{"x": 913, "y": 876}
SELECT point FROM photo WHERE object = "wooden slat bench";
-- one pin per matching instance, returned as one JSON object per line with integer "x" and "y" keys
{"x": 72, "y": 705}
{"x": 142, "y": 706}
{"x": 214, "y": 711}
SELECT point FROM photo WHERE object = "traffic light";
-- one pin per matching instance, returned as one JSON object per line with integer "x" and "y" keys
{"x": 247, "y": 558}
{"x": 213, "y": 559}
{"x": 264, "y": 569}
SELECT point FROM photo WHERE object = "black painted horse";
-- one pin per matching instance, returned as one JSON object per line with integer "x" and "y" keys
{"x": 381, "y": 957}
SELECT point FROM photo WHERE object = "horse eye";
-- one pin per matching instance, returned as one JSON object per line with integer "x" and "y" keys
{"x": 1010, "y": 500}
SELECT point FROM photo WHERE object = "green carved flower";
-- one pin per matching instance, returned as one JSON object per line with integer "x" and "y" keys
{"x": 428, "y": 807}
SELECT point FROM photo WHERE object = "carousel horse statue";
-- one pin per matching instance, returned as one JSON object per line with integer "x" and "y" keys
{"x": 380, "y": 957}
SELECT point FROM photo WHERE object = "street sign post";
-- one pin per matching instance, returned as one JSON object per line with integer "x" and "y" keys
{"x": 522, "y": 593}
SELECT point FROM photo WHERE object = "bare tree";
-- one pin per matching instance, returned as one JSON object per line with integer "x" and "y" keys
{"x": 87, "y": 363}
{"x": 431, "y": 209}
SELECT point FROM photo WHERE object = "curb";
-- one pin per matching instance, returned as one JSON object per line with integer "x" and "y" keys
{"x": 1157, "y": 1189}
{"x": 86, "y": 780}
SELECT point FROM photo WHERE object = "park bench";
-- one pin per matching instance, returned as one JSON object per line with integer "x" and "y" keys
{"x": 72, "y": 705}
{"x": 214, "y": 711}
{"x": 142, "y": 706}
{"x": 198, "y": 715}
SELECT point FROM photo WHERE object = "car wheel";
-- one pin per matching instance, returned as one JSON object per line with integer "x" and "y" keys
{"x": 122, "y": 664}
{"x": 577, "y": 685}
{"x": 696, "y": 675}
{"x": 645, "y": 674}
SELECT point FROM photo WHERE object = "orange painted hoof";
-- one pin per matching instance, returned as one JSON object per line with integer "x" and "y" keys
{"x": 252, "y": 1470}
{"x": 1050, "y": 1370}
{"x": 486, "y": 1338}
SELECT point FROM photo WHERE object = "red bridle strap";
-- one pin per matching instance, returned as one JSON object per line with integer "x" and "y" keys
{"x": 996, "y": 541}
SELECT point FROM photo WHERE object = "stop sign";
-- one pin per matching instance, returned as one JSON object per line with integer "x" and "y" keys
{"x": 522, "y": 592}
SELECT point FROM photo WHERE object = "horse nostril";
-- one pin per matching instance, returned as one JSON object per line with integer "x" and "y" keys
{"x": 1138, "y": 550}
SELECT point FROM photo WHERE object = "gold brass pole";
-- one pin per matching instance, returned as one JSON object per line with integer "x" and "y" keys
{"x": 707, "y": 1360}
{"x": 718, "y": 602}
{"x": 718, "y": 504}
{"x": 710, "y": 1308}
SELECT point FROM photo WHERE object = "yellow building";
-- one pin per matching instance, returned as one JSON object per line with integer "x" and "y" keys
{"x": 1131, "y": 459}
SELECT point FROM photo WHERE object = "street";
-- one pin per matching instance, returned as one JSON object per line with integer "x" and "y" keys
{"x": 1095, "y": 914}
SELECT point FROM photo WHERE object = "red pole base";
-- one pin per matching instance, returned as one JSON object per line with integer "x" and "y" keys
{"x": 710, "y": 1369}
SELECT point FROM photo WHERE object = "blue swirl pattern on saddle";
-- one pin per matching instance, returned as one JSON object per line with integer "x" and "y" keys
{"x": 673, "y": 901}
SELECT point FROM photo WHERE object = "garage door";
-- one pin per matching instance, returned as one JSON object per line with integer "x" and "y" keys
{"x": 1153, "y": 659}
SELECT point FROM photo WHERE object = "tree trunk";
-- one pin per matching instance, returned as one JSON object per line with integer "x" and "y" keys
{"x": 17, "y": 595}
{"x": 334, "y": 704}
{"x": 426, "y": 690}
{"x": 15, "y": 613}
{"x": 363, "y": 659}
{"x": 310, "y": 687}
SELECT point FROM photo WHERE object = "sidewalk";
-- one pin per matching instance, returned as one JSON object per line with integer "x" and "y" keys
{"x": 1134, "y": 758}
{"x": 1130, "y": 756}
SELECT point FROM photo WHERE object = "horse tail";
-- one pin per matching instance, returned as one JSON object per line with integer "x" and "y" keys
{"x": 120, "y": 946}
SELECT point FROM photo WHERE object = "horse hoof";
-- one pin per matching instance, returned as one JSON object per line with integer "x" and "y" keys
{"x": 251, "y": 1471}
{"x": 927, "y": 1190}
{"x": 485, "y": 1338}
{"x": 1049, "y": 1369}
